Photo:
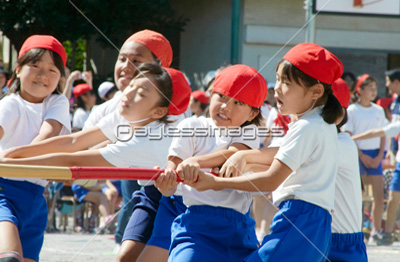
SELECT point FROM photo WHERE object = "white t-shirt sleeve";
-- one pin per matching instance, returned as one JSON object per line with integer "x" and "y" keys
{"x": 249, "y": 137}
{"x": 9, "y": 114}
{"x": 298, "y": 145}
{"x": 113, "y": 126}
{"x": 79, "y": 118}
{"x": 392, "y": 129}
{"x": 183, "y": 146}
{"x": 58, "y": 109}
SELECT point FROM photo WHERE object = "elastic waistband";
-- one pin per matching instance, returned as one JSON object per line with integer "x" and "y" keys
{"x": 347, "y": 238}
{"x": 218, "y": 211}
{"x": 298, "y": 204}
{"x": 24, "y": 185}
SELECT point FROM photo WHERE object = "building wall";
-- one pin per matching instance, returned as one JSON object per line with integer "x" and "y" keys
{"x": 206, "y": 42}
{"x": 363, "y": 44}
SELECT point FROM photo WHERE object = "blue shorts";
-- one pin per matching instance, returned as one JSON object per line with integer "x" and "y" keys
{"x": 290, "y": 241}
{"x": 79, "y": 192}
{"x": 140, "y": 225}
{"x": 23, "y": 204}
{"x": 169, "y": 209}
{"x": 348, "y": 248}
{"x": 371, "y": 171}
{"x": 395, "y": 184}
{"x": 207, "y": 233}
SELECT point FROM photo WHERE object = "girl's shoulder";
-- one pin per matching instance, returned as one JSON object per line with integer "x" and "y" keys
{"x": 196, "y": 122}
{"x": 55, "y": 98}
{"x": 11, "y": 100}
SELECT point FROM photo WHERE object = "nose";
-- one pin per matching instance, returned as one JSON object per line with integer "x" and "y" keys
{"x": 128, "y": 65}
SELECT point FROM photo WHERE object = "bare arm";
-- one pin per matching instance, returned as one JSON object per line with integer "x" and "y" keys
{"x": 69, "y": 143}
{"x": 369, "y": 134}
{"x": 81, "y": 158}
{"x": 263, "y": 181}
{"x": 49, "y": 128}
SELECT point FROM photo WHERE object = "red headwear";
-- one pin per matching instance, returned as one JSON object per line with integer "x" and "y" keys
{"x": 156, "y": 43}
{"x": 180, "y": 92}
{"x": 384, "y": 102}
{"x": 315, "y": 61}
{"x": 81, "y": 89}
{"x": 46, "y": 42}
{"x": 201, "y": 96}
{"x": 243, "y": 83}
{"x": 360, "y": 80}
{"x": 341, "y": 91}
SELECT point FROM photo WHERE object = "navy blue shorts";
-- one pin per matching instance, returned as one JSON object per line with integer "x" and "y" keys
{"x": 140, "y": 225}
{"x": 169, "y": 209}
{"x": 348, "y": 247}
{"x": 305, "y": 238}
{"x": 207, "y": 233}
{"x": 371, "y": 171}
{"x": 23, "y": 204}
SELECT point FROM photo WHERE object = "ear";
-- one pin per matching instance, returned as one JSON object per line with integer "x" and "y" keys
{"x": 253, "y": 114}
{"x": 17, "y": 70}
{"x": 317, "y": 91}
{"x": 159, "y": 112}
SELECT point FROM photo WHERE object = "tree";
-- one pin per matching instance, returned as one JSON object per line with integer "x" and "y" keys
{"x": 115, "y": 19}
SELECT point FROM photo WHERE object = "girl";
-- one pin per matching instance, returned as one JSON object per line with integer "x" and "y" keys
{"x": 347, "y": 242}
{"x": 198, "y": 103}
{"x": 144, "y": 104}
{"x": 142, "y": 47}
{"x": 85, "y": 101}
{"x": 33, "y": 111}
{"x": 362, "y": 116}
{"x": 213, "y": 217}
{"x": 304, "y": 167}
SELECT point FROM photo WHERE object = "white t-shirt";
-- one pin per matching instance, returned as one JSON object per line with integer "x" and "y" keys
{"x": 347, "y": 217}
{"x": 393, "y": 130}
{"x": 210, "y": 139}
{"x": 310, "y": 150}
{"x": 361, "y": 119}
{"x": 140, "y": 151}
{"x": 146, "y": 149}
{"x": 102, "y": 110}
{"x": 80, "y": 117}
{"x": 22, "y": 120}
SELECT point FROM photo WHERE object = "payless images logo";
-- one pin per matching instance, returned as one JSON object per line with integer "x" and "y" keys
{"x": 124, "y": 133}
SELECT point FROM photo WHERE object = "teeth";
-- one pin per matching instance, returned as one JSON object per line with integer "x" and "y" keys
{"x": 224, "y": 117}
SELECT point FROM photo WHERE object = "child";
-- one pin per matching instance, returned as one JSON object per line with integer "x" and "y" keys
{"x": 392, "y": 130}
{"x": 144, "y": 103}
{"x": 3, "y": 82}
{"x": 198, "y": 103}
{"x": 143, "y": 46}
{"x": 33, "y": 111}
{"x": 347, "y": 242}
{"x": 364, "y": 115}
{"x": 107, "y": 90}
{"x": 304, "y": 167}
{"x": 216, "y": 225}
{"x": 85, "y": 101}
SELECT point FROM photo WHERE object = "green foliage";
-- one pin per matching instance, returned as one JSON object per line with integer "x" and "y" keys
{"x": 115, "y": 19}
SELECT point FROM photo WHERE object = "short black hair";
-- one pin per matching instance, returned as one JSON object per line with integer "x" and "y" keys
{"x": 393, "y": 74}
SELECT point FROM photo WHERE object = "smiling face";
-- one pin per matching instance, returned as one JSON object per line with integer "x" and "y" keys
{"x": 131, "y": 55}
{"x": 229, "y": 112}
{"x": 140, "y": 100}
{"x": 38, "y": 79}
{"x": 291, "y": 97}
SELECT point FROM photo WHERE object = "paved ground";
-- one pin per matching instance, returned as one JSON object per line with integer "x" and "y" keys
{"x": 88, "y": 247}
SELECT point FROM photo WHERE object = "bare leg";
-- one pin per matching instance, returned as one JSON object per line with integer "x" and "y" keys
{"x": 391, "y": 211}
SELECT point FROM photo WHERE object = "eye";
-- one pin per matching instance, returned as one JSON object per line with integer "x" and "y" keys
{"x": 239, "y": 103}
{"x": 122, "y": 58}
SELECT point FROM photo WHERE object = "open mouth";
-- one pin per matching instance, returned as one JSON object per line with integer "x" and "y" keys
{"x": 222, "y": 116}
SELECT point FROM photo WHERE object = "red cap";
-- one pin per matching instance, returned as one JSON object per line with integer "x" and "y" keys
{"x": 342, "y": 92}
{"x": 384, "y": 102}
{"x": 201, "y": 96}
{"x": 156, "y": 43}
{"x": 46, "y": 42}
{"x": 315, "y": 61}
{"x": 81, "y": 89}
{"x": 243, "y": 83}
{"x": 360, "y": 80}
{"x": 180, "y": 92}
